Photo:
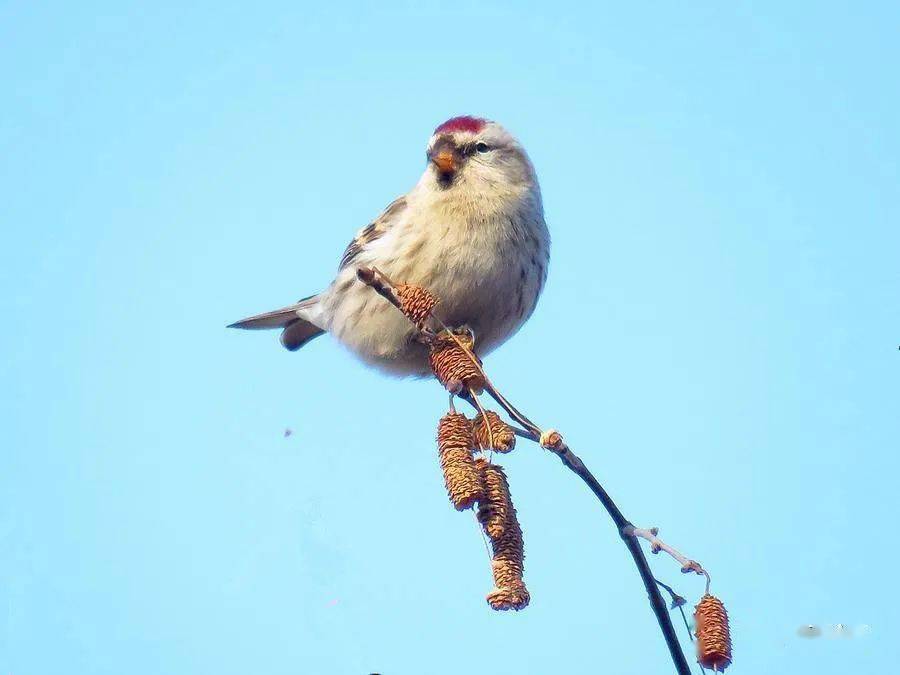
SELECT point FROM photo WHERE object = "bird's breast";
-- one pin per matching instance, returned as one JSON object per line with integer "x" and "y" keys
{"x": 486, "y": 274}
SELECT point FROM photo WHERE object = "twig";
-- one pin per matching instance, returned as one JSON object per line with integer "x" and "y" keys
{"x": 553, "y": 441}
{"x": 657, "y": 545}
{"x": 380, "y": 283}
{"x": 677, "y": 600}
{"x": 490, "y": 432}
{"x": 574, "y": 463}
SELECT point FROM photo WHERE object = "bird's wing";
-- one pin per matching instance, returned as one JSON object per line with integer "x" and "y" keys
{"x": 373, "y": 231}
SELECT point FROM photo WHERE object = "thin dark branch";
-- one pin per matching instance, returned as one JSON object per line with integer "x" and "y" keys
{"x": 677, "y": 600}
{"x": 657, "y": 603}
{"x": 574, "y": 463}
{"x": 687, "y": 625}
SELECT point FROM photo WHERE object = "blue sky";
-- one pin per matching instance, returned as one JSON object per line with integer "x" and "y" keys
{"x": 718, "y": 339}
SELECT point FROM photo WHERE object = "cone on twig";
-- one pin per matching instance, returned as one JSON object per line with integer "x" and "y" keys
{"x": 416, "y": 303}
{"x": 713, "y": 635}
{"x": 492, "y": 433}
{"x": 461, "y": 476}
{"x": 495, "y": 505}
{"x": 454, "y": 366}
{"x": 498, "y": 518}
{"x": 457, "y": 368}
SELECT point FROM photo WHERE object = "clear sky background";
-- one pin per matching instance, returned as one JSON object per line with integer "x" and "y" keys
{"x": 718, "y": 339}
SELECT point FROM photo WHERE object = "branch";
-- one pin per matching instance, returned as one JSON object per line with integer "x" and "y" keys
{"x": 657, "y": 545}
{"x": 677, "y": 600}
{"x": 551, "y": 440}
{"x": 380, "y": 283}
{"x": 657, "y": 604}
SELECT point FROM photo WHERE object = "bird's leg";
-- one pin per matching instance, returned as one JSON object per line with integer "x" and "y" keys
{"x": 424, "y": 336}
{"x": 531, "y": 430}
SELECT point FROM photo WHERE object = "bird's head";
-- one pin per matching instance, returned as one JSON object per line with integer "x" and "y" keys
{"x": 477, "y": 153}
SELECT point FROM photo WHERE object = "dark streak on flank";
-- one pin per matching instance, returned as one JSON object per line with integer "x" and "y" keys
{"x": 415, "y": 249}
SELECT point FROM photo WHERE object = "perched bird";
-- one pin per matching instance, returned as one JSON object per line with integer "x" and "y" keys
{"x": 471, "y": 231}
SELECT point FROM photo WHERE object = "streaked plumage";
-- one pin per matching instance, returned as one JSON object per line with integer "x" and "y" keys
{"x": 472, "y": 231}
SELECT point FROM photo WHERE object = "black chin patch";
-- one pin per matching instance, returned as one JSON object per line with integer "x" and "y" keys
{"x": 445, "y": 180}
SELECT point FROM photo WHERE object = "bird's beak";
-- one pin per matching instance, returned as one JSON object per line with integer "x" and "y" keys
{"x": 445, "y": 162}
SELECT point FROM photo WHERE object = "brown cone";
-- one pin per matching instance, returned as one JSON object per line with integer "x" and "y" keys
{"x": 455, "y": 443}
{"x": 501, "y": 433}
{"x": 452, "y": 365}
{"x": 497, "y": 515}
{"x": 713, "y": 634}
{"x": 416, "y": 303}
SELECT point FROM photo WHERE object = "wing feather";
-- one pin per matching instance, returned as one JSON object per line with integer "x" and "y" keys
{"x": 373, "y": 231}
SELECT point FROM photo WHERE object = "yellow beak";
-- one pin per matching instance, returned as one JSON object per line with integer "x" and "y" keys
{"x": 445, "y": 162}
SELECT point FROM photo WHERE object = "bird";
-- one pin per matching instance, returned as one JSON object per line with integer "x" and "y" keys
{"x": 471, "y": 231}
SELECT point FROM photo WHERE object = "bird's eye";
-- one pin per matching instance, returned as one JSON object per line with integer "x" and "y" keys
{"x": 481, "y": 146}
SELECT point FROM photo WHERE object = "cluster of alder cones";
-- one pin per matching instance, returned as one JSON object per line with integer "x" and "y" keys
{"x": 474, "y": 480}
{"x": 477, "y": 481}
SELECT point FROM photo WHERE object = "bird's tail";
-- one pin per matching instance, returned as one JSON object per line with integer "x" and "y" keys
{"x": 296, "y": 320}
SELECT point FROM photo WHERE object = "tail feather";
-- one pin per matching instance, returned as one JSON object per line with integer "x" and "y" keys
{"x": 298, "y": 333}
{"x": 278, "y": 318}
{"x": 298, "y": 330}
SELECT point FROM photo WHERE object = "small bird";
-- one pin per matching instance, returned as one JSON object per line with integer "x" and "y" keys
{"x": 471, "y": 231}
